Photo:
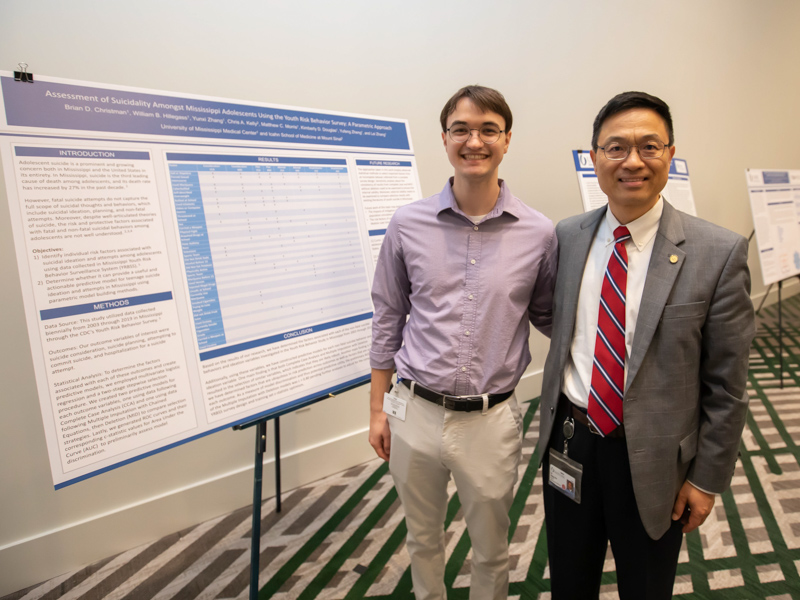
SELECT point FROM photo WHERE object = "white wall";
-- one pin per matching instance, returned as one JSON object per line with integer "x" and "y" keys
{"x": 728, "y": 68}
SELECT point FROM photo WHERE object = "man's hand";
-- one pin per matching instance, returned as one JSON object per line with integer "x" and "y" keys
{"x": 692, "y": 507}
{"x": 380, "y": 438}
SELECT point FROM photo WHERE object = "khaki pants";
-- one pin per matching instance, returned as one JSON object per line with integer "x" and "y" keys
{"x": 482, "y": 451}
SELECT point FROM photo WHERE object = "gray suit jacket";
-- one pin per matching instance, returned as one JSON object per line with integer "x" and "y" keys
{"x": 685, "y": 401}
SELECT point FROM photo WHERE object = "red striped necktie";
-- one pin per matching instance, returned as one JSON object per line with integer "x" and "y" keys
{"x": 608, "y": 366}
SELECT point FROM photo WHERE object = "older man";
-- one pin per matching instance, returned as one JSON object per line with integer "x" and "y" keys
{"x": 643, "y": 400}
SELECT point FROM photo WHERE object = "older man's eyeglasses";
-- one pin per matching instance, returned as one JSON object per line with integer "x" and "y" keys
{"x": 487, "y": 133}
{"x": 647, "y": 150}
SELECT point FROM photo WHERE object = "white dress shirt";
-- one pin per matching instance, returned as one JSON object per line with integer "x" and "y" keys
{"x": 578, "y": 371}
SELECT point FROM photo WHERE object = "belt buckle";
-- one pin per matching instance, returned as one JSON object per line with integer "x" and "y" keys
{"x": 449, "y": 402}
{"x": 592, "y": 429}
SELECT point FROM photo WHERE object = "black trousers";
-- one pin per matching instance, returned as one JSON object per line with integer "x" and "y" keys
{"x": 578, "y": 534}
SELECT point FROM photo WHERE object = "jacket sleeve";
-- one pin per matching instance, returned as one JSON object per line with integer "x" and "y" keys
{"x": 728, "y": 331}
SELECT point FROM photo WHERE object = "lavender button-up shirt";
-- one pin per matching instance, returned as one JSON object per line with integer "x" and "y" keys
{"x": 467, "y": 292}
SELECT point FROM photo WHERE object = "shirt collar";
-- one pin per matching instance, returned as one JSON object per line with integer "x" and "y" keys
{"x": 504, "y": 201}
{"x": 642, "y": 230}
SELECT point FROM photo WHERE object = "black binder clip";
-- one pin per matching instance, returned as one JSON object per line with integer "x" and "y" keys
{"x": 22, "y": 74}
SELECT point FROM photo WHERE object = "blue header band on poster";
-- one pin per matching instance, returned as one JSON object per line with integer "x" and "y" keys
{"x": 288, "y": 335}
{"x": 684, "y": 167}
{"x": 81, "y": 153}
{"x": 93, "y": 307}
{"x": 383, "y": 163}
{"x": 583, "y": 161}
{"x": 178, "y": 156}
{"x": 52, "y": 105}
{"x": 373, "y": 232}
{"x": 772, "y": 177}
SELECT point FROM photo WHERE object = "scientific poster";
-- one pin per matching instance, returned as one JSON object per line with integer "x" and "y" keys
{"x": 775, "y": 202}
{"x": 189, "y": 263}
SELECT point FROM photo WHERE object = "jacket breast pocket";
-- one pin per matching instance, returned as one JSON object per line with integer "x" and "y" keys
{"x": 684, "y": 311}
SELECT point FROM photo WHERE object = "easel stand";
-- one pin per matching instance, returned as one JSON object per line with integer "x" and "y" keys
{"x": 780, "y": 321}
{"x": 780, "y": 328}
{"x": 764, "y": 299}
{"x": 780, "y": 314}
{"x": 260, "y": 424}
{"x": 261, "y": 447}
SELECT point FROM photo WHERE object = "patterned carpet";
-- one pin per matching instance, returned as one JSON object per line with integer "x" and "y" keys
{"x": 343, "y": 537}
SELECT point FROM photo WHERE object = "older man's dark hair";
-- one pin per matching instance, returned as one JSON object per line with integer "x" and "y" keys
{"x": 627, "y": 101}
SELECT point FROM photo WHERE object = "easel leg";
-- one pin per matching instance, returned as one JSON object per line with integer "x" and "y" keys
{"x": 780, "y": 329}
{"x": 255, "y": 547}
{"x": 764, "y": 299}
{"x": 277, "y": 464}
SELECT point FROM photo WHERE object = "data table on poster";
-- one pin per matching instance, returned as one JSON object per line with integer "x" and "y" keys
{"x": 267, "y": 247}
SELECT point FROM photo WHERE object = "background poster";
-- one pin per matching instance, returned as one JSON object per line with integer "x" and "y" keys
{"x": 775, "y": 202}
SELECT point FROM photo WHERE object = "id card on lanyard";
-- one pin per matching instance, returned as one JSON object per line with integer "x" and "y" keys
{"x": 565, "y": 474}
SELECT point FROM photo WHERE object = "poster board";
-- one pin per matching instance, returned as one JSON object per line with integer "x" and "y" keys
{"x": 190, "y": 263}
{"x": 678, "y": 190}
{"x": 775, "y": 203}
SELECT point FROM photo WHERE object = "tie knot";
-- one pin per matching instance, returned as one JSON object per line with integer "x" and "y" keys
{"x": 621, "y": 234}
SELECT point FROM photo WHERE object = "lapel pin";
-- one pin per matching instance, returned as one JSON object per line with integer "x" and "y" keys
{"x": 673, "y": 258}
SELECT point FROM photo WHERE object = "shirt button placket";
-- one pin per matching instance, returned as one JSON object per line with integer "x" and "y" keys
{"x": 469, "y": 314}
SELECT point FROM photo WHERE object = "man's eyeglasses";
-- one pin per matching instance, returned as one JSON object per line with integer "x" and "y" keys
{"x": 647, "y": 150}
{"x": 462, "y": 133}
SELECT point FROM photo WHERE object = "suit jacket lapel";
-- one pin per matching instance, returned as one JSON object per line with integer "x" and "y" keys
{"x": 661, "y": 275}
{"x": 574, "y": 253}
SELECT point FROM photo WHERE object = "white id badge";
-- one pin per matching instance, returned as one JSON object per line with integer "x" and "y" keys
{"x": 565, "y": 475}
{"x": 394, "y": 406}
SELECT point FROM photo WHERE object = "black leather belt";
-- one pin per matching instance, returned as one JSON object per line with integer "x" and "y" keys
{"x": 458, "y": 403}
{"x": 581, "y": 417}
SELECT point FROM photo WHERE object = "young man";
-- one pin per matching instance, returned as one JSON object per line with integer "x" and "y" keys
{"x": 643, "y": 400}
{"x": 459, "y": 276}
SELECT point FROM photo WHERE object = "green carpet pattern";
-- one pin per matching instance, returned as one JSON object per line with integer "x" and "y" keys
{"x": 343, "y": 538}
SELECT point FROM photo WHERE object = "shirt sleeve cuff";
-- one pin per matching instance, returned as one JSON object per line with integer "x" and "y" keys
{"x": 381, "y": 360}
{"x": 701, "y": 489}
